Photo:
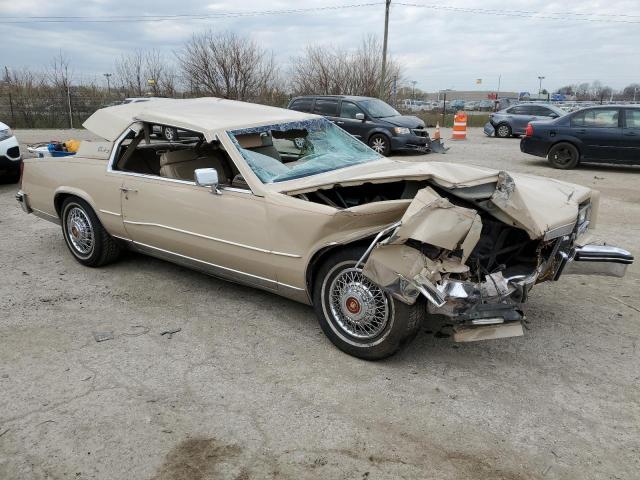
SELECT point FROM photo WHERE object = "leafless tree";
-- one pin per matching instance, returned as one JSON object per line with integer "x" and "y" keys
{"x": 143, "y": 71}
{"x": 227, "y": 65}
{"x": 332, "y": 71}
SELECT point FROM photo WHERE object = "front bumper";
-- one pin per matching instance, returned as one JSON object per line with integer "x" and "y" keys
{"x": 411, "y": 143}
{"x": 603, "y": 260}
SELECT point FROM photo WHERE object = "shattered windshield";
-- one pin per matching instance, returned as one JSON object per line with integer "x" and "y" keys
{"x": 286, "y": 151}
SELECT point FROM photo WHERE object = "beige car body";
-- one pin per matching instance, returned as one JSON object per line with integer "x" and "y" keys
{"x": 268, "y": 236}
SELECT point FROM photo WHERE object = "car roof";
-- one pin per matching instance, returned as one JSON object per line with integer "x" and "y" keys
{"x": 205, "y": 115}
{"x": 344, "y": 97}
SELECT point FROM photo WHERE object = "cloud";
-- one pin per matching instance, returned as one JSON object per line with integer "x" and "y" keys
{"x": 439, "y": 48}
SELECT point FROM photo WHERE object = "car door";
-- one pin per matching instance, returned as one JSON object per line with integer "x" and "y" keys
{"x": 521, "y": 116}
{"x": 630, "y": 147}
{"x": 223, "y": 233}
{"x": 327, "y": 107}
{"x": 599, "y": 131}
{"x": 359, "y": 128}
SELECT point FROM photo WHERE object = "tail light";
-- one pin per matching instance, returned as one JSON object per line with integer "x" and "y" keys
{"x": 529, "y": 131}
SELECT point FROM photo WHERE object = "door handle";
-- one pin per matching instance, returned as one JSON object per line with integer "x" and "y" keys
{"x": 128, "y": 190}
{"x": 581, "y": 130}
{"x": 340, "y": 123}
{"x": 630, "y": 134}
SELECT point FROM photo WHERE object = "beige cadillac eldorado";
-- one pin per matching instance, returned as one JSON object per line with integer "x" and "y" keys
{"x": 288, "y": 202}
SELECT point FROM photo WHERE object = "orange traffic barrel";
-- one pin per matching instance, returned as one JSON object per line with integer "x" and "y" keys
{"x": 459, "y": 126}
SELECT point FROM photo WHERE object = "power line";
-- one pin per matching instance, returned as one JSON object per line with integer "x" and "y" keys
{"x": 573, "y": 16}
{"x": 160, "y": 18}
{"x": 562, "y": 16}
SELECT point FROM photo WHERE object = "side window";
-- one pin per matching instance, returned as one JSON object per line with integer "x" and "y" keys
{"x": 541, "y": 111}
{"x": 302, "y": 105}
{"x": 632, "y": 117}
{"x": 349, "y": 110}
{"x": 596, "y": 118}
{"x": 520, "y": 110}
{"x": 326, "y": 106}
{"x": 150, "y": 154}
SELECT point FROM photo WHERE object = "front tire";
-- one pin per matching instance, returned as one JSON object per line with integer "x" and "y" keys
{"x": 85, "y": 236}
{"x": 380, "y": 143}
{"x": 357, "y": 315}
{"x": 564, "y": 156}
{"x": 503, "y": 131}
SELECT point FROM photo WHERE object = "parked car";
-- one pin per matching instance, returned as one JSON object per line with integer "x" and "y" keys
{"x": 514, "y": 120}
{"x": 486, "y": 105}
{"x": 10, "y": 156}
{"x": 471, "y": 106}
{"x": 369, "y": 119}
{"x": 170, "y": 134}
{"x": 604, "y": 134}
{"x": 288, "y": 202}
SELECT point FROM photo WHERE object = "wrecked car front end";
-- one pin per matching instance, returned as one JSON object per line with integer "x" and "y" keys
{"x": 478, "y": 265}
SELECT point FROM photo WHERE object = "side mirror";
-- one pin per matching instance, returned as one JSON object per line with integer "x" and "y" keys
{"x": 207, "y": 177}
{"x": 360, "y": 116}
{"x": 553, "y": 115}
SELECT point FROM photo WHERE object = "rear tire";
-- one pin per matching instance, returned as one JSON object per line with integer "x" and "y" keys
{"x": 170, "y": 134}
{"x": 85, "y": 236}
{"x": 564, "y": 156}
{"x": 503, "y": 131}
{"x": 357, "y": 315}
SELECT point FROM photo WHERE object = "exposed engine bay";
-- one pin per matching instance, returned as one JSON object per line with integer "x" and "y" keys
{"x": 467, "y": 250}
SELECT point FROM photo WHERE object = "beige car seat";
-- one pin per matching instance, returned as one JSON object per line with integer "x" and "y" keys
{"x": 181, "y": 164}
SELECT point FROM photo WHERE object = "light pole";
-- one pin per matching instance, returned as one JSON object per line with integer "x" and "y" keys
{"x": 635, "y": 90}
{"x": 413, "y": 89}
{"x": 540, "y": 88}
{"x": 108, "y": 77}
{"x": 384, "y": 48}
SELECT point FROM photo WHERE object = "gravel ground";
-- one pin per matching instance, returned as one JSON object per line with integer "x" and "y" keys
{"x": 250, "y": 388}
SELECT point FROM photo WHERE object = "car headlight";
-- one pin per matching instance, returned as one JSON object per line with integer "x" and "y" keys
{"x": 6, "y": 133}
{"x": 401, "y": 130}
{"x": 584, "y": 217}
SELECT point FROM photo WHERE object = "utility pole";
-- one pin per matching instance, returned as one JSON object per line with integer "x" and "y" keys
{"x": 413, "y": 89}
{"x": 384, "y": 48}
{"x": 108, "y": 77}
{"x": 7, "y": 81}
{"x": 540, "y": 88}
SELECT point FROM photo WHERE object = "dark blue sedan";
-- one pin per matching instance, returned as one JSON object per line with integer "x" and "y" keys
{"x": 603, "y": 134}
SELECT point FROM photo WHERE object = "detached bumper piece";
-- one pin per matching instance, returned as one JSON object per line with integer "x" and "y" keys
{"x": 597, "y": 260}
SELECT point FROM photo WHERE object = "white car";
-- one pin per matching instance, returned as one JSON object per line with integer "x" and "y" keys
{"x": 10, "y": 158}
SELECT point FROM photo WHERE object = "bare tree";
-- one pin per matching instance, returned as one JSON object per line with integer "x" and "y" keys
{"x": 331, "y": 71}
{"x": 141, "y": 71}
{"x": 227, "y": 65}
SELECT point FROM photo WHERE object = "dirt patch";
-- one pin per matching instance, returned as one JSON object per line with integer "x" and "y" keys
{"x": 197, "y": 459}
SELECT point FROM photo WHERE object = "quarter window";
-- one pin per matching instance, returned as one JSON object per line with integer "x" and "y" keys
{"x": 302, "y": 105}
{"x": 596, "y": 118}
{"x": 326, "y": 106}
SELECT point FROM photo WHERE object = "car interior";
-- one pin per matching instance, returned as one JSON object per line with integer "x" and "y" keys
{"x": 147, "y": 154}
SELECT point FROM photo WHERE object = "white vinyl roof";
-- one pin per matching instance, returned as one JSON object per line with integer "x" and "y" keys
{"x": 206, "y": 115}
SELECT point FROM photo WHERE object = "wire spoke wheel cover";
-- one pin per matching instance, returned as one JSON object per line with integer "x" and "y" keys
{"x": 357, "y": 306}
{"x": 79, "y": 231}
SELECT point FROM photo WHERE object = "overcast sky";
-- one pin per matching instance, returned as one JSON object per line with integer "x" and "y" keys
{"x": 439, "y": 48}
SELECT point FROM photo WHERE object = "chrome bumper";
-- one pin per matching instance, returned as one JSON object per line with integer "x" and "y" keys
{"x": 597, "y": 260}
{"x": 21, "y": 197}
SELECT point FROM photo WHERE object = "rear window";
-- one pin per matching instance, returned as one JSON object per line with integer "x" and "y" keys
{"x": 326, "y": 106}
{"x": 596, "y": 118}
{"x": 633, "y": 118}
{"x": 302, "y": 105}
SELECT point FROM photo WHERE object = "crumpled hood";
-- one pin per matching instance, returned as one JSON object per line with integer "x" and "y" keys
{"x": 535, "y": 204}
